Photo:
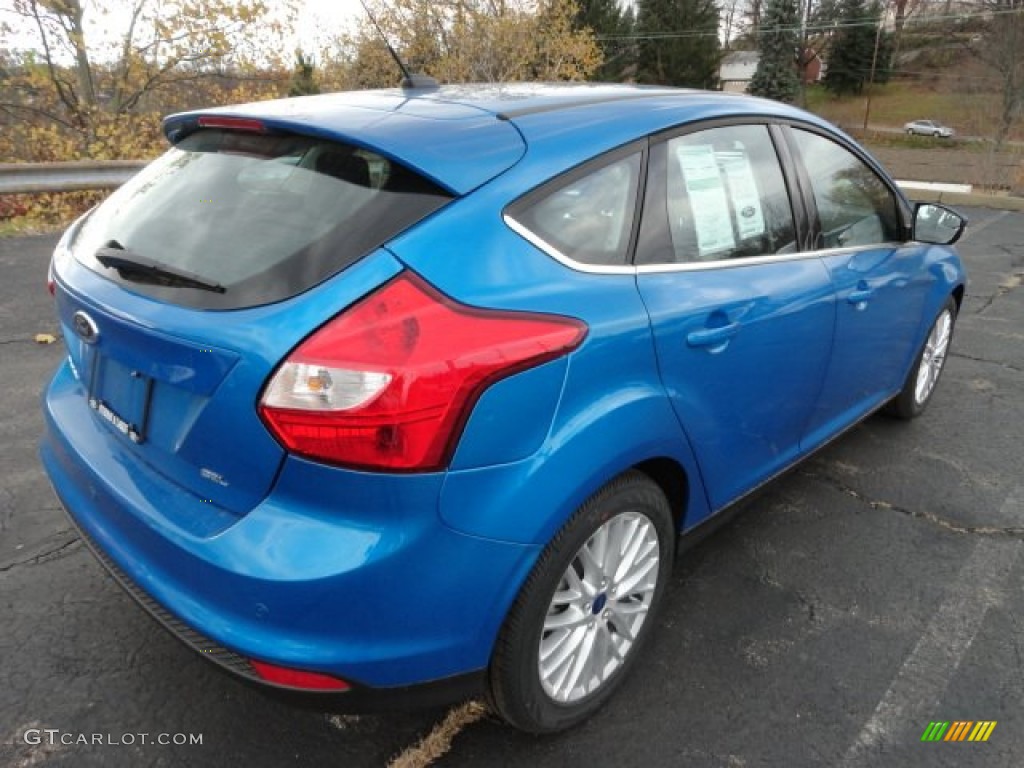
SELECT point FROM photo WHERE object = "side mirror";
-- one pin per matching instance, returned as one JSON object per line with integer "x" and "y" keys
{"x": 937, "y": 224}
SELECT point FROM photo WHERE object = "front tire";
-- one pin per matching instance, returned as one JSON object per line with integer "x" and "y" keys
{"x": 587, "y": 609}
{"x": 924, "y": 375}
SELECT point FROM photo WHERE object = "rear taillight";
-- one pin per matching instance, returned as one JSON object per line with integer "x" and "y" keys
{"x": 390, "y": 382}
{"x": 51, "y": 284}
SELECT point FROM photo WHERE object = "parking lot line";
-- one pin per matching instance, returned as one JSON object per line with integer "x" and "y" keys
{"x": 973, "y": 229}
{"x": 926, "y": 673}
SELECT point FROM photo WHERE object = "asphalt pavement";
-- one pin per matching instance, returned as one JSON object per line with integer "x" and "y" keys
{"x": 873, "y": 590}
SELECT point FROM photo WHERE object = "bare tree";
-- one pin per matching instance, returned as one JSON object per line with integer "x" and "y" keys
{"x": 156, "y": 50}
{"x": 1001, "y": 47}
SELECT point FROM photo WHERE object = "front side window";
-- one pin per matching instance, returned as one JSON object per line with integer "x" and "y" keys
{"x": 234, "y": 219}
{"x": 716, "y": 194}
{"x": 589, "y": 217}
{"x": 855, "y": 207}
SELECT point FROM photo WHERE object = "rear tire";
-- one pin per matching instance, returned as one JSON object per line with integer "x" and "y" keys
{"x": 924, "y": 375}
{"x": 587, "y": 609}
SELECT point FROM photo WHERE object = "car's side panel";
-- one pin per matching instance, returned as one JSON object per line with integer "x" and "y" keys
{"x": 598, "y": 433}
{"x": 743, "y": 400}
{"x": 880, "y": 298}
{"x": 512, "y": 417}
{"x": 943, "y": 271}
{"x": 612, "y": 412}
{"x": 881, "y": 285}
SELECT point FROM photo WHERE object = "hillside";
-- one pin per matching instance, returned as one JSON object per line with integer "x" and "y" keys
{"x": 957, "y": 90}
{"x": 947, "y": 84}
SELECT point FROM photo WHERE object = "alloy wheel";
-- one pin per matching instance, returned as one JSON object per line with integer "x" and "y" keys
{"x": 598, "y": 608}
{"x": 933, "y": 357}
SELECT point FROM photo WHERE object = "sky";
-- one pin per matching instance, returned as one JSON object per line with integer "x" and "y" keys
{"x": 319, "y": 21}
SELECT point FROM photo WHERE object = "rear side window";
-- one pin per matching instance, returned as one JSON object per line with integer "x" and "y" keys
{"x": 249, "y": 218}
{"x": 586, "y": 217}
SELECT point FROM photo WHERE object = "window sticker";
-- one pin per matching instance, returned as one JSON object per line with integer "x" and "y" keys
{"x": 706, "y": 189}
{"x": 743, "y": 190}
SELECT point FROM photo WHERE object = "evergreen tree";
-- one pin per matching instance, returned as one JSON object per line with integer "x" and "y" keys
{"x": 852, "y": 48}
{"x": 776, "y": 76}
{"x": 678, "y": 42}
{"x": 303, "y": 83}
{"x": 611, "y": 26}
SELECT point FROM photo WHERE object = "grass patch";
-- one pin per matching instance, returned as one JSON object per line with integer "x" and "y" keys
{"x": 970, "y": 113}
{"x": 24, "y": 226}
{"x": 898, "y": 141}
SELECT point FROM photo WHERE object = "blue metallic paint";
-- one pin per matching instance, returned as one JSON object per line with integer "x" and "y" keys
{"x": 880, "y": 297}
{"x": 201, "y": 394}
{"x": 746, "y": 400}
{"x": 397, "y": 127}
{"x": 356, "y": 580}
{"x": 399, "y": 579}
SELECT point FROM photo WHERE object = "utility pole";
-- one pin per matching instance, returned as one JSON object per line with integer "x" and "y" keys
{"x": 874, "y": 63}
{"x": 805, "y": 15}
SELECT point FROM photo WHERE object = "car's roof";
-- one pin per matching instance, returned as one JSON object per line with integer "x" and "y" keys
{"x": 463, "y": 135}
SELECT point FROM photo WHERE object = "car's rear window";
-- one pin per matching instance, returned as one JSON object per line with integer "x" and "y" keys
{"x": 229, "y": 219}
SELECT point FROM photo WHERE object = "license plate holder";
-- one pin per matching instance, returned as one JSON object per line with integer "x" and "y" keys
{"x": 120, "y": 396}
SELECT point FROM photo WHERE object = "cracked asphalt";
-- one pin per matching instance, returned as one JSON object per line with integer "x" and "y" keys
{"x": 874, "y": 589}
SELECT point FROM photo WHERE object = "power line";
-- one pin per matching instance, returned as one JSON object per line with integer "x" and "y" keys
{"x": 823, "y": 27}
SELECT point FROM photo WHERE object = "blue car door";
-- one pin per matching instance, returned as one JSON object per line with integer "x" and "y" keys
{"x": 880, "y": 285}
{"x": 742, "y": 319}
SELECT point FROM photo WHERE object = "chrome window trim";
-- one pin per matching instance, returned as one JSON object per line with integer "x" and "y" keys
{"x": 771, "y": 258}
{"x": 539, "y": 242}
{"x": 745, "y": 261}
{"x": 687, "y": 266}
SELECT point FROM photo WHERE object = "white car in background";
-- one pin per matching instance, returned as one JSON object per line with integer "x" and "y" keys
{"x": 928, "y": 128}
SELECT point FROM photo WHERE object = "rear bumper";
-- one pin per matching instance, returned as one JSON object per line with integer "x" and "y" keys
{"x": 343, "y": 573}
{"x": 357, "y": 698}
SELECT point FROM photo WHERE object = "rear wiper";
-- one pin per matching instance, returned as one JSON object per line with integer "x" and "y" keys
{"x": 131, "y": 265}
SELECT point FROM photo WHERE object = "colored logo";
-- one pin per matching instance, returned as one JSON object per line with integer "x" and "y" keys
{"x": 959, "y": 730}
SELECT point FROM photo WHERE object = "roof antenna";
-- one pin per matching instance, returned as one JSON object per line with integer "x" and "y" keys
{"x": 409, "y": 79}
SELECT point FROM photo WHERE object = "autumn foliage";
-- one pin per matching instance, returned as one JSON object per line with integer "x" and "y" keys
{"x": 69, "y": 96}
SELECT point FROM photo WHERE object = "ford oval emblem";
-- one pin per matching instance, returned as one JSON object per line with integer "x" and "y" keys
{"x": 85, "y": 327}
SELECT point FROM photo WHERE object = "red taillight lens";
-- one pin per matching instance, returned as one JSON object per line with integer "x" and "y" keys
{"x": 389, "y": 383}
{"x": 298, "y": 678}
{"x": 51, "y": 284}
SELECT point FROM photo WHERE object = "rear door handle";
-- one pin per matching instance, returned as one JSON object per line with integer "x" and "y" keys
{"x": 711, "y": 337}
{"x": 860, "y": 295}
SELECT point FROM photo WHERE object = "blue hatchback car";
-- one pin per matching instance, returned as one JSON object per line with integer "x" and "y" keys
{"x": 397, "y": 394}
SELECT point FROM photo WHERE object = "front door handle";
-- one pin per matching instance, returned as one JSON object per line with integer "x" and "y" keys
{"x": 712, "y": 337}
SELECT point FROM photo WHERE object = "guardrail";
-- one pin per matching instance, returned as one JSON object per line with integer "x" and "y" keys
{"x": 32, "y": 178}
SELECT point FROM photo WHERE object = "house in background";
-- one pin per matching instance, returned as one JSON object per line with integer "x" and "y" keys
{"x": 738, "y": 67}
